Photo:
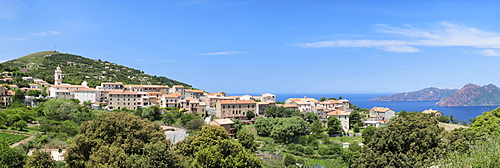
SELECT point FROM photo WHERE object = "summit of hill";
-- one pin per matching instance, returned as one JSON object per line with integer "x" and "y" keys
{"x": 77, "y": 69}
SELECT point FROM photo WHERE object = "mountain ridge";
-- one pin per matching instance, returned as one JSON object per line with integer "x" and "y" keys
{"x": 426, "y": 94}
{"x": 469, "y": 95}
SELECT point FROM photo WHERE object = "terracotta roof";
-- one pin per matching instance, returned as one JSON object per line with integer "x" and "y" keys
{"x": 190, "y": 98}
{"x": 178, "y": 86}
{"x": 85, "y": 89}
{"x": 197, "y": 91}
{"x": 337, "y": 112}
{"x": 68, "y": 86}
{"x": 178, "y": 94}
{"x": 31, "y": 84}
{"x": 154, "y": 92}
{"x": 171, "y": 96}
{"x": 221, "y": 122}
{"x": 262, "y": 102}
{"x": 288, "y": 105}
{"x": 123, "y": 92}
{"x": 380, "y": 109}
{"x": 431, "y": 111}
{"x": 237, "y": 102}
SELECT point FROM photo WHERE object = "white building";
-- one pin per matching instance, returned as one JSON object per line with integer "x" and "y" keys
{"x": 382, "y": 114}
{"x": 87, "y": 94}
{"x": 343, "y": 117}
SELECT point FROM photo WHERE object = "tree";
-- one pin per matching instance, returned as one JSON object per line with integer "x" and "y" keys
{"x": 444, "y": 119}
{"x": 263, "y": 126}
{"x": 322, "y": 99}
{"x": 330, "y": 149}
{"x": 279, "y": 112}
{"x": 368, "y": 133}
{"x": 453, "y": 120}
{"x": 211, "y": 147}
{"x": 237, "y": 125}
{"x": 188, "y": 117}
{"x": 21, "y": 125}
{"x": 59, "y": 109}
{"x": 403, "y": 113}
{"x": 354, "y": 118}
{"x": 250, "y": 114}
{"x": 289, "y": 160}
{"x": 33, "y": 93}
{"x": 10, "y": 157}
{"x": 411, "y": 141}
{"x": 119, "y": 140}
{"x": 87, "y": 103}
{"x": 487, "y": 123}
{"x": 246, "y": 139}
{"x": 317, "y": 128}
{"x": 310, "y": 117}
{"x": 464, "y": 122}
{"x": 19, "y": 96}
{"x": 40, "y": 159}
{"x": 288, "y": 130}
{"x": 152, "y": 113}
{"x": 169, "y": 118}
{"x": 482, "y": 153}
{"x": 333, "y": 125}
{"x": 194, "y": 125}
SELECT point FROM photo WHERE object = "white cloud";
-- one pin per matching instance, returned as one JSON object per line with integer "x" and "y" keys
{"x": 489, "y": 52}
{"x": 45, "y": 33}
{"x": 224, "y": 53}
{"x": 443, "y": 34}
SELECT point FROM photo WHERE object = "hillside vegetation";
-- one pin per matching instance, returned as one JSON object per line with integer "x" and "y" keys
{"x": 77, "y": 69}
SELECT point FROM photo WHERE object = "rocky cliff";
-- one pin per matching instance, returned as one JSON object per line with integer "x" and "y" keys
{"x": 473, "y": 95}
{"x": 427, "y": 94}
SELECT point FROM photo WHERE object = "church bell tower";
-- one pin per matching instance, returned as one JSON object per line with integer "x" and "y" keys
{"x": 58, "y": 76}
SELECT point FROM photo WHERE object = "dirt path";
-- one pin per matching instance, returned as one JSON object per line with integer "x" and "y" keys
{"x": 31, "y": 136}
{"x": 448, "y": 126}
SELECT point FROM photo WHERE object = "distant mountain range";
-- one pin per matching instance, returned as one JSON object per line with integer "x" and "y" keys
{"x": 77, "y": 69}
{"x": 469, "y": 95}
{"x": 426, "y": 94}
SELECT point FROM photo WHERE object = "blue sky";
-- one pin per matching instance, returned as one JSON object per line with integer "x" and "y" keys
{"x": 271, "y": 46}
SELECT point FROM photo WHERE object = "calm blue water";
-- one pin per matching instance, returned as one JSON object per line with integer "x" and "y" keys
{"x": 361, "y": 100}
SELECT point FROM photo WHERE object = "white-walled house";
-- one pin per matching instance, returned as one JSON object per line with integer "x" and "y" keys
{"x": 343, "y": 117}
{"x": 382, "y": 114}
{"x": 87, "y": 94}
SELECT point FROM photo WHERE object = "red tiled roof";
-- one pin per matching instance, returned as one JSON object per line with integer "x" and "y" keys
{"x": 237, "y": 102}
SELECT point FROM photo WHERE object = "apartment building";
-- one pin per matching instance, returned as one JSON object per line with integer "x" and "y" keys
{"x": 234, "y": 108}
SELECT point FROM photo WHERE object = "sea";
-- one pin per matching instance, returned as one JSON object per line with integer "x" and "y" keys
{"x": 362, "y": 100}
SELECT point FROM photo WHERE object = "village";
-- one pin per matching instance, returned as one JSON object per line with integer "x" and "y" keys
{"x": 116, "y": 95}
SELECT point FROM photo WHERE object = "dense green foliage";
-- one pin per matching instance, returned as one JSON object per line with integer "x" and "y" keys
{"x": 211, "y": 147}
{"x": 278, "y": 112}
{"x": 42, "y": 65}
{"x": 11, "y": 138}
{"x": 333, "y": 125}
{"x": 10, "y": 157}
{"x": 119, "y": 140}
{"x": 411, "y": 141}
{"x": 368, "y": 133}
{"x": 40, "y": 159}
{"x": 285, "y": 130}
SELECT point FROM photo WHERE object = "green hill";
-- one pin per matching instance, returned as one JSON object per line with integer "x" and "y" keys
{"x": 77, "y": 69}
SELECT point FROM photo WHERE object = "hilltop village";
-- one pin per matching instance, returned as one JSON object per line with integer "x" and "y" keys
{"x": 116, "y": 95}
{"x": 294, "y": 131}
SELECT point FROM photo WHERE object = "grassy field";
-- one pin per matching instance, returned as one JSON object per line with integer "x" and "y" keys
{"x": 11, "y": 138}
